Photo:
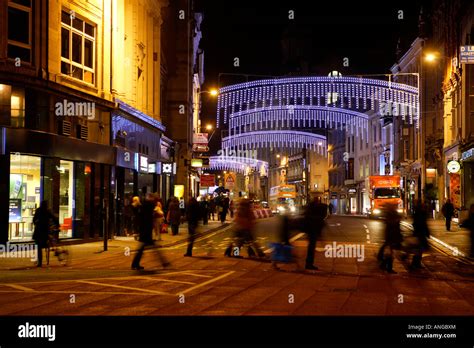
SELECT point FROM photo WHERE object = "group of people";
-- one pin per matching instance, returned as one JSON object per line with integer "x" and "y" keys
{"x": 219, "y": 207}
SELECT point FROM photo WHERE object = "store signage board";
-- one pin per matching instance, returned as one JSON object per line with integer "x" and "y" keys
{"x": 126, "y": 158}
{"x": 201, "y": 138}
{"x": 143, "y": 164}
{"x": 167, "y": 168}
{"x": 208, "y": 180}
{"x": 196, "y": 163}
{"x": 467, "y": 154}
{"x": 466, "y": 54}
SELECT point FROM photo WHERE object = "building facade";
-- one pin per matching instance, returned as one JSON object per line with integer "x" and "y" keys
{"x": 80, "y": 112}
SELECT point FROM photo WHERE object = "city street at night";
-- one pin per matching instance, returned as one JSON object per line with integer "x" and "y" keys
{"x": 270, "y": 171}
{"x": 216, "y": 285}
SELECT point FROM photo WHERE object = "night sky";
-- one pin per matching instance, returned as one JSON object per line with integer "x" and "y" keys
{"x": 317, "y": 39}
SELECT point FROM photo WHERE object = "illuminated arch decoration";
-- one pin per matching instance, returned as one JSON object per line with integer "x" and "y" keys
{"x": 278, "y": 138}
{"x": 284, "y": 105}
{"x": 236, "y": 164}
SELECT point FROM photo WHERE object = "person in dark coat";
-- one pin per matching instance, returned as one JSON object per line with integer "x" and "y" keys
{"x": 393, "y": 238}
{"x": 448, "y": 212}
{"x": 421, "y": 232}
{"x": 42, "y": 220}
{"x": 204, "y": 204}
{"x": 469, "y": 224}
{"x": 193, "y": 215}
{"x": 174, "y": 215}
{"x": 212, "y": 208}
{"x": 145, "y": 223}
{"x": 225, "y": 204}
{"x": 314, "y": 216}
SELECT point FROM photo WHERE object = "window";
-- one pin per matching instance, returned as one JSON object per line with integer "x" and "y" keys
{"x": 17, "y": 108}
{"x": 77, "y": 48}
{"x": 20, "y": 30}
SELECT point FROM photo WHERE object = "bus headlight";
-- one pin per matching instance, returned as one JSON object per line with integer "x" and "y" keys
{"x": 292, "y": 209}
{"x": 377, "y": 211}
{"x": 281, "y": 209}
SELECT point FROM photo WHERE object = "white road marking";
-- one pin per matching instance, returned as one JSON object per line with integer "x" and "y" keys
{"x": 205, "y": 283}
{"x": 19, "y": 287}
{"x": 123, "y": 287}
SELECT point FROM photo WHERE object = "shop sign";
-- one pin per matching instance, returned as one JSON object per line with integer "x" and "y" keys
{"x": 453, "y": 166}
{"x": 167, "y": 168}
{"x": 200, "y": 139}
{"x": 208, "y": 180}
{"x": 125, "y": 158}
{"x": 14, "y": 210}
{"x": 352, "y": 190}
{"x": 151, "y": 167}
{"x": 467, "y": 54}
{"x": 143, "y": 164}
{"x": 467, "y": 154}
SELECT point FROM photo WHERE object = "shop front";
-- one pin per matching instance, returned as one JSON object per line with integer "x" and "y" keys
{"x": 467, "y": 179}
{"x": 62, "y": 171}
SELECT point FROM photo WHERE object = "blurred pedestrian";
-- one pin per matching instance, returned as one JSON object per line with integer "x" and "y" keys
{"x": 393, "y": 238}
{"x": 331, "y": 208}
{"x": 146, "y": 217}
{"x": 469, "y": 224}
{"x": 204, "y": 205}
{"x": 231, "y": 209}
{"x": 314, "y": 216}
{"x": 193, "y": 215}
{"x": 225, "y": 203}
{"x": 158, "y": 216}
{"x": 43, "y": 220}
{"x": 174, "y": 216}
{"x": 212, "y": 208}
{"x": 244, "y": 231}
{"x": 421, "y": 232}
{"x": 448, "y": 212}
{"x": 136, "y": 205}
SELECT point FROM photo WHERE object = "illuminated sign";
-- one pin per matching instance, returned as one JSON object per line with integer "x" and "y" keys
{"x": 196, "y": 162}
{"x": 167, "y": 168}
{"x": 453, "y": 166}
{"x": 143, "y": 164}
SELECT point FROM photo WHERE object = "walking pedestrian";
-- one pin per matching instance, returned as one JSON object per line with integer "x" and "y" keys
{"x": 314, "y": 216}
{"x": 174, "y": 216}
{"x": 193, "y": 216}
{"x": 244, "y": 231}
{"x": 204, "y": 205}
{"x": 136, "y": 205}
{"x": 225, "y": 209}
{"x": 331, "y": 208}
{"x": 145, "y": 222}
{"x": 448, "y": 212}
{"x": 393, "y": 238}
{"x": 469, "y": 224}
{"x": 212, "y": 208}
{"x": 158, "y": 216}
{"x": 231, "y": 209}
{"x": 421, "y": 232}
{"x": 43, "y": 219}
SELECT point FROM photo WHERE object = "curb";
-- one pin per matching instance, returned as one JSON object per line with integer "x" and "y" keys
{"x": 446, "y": 248}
